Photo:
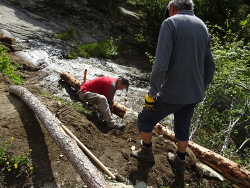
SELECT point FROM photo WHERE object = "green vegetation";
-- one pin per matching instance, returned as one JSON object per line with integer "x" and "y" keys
{"x": 222, "y": 121}
{"x": 141, "y": 41}
{"x": 10, "y": 163}
{"x": 224, "y": 13}
{"x": 7, "y": 68}
{"x": 227, "y": 15}
{"x": 67, "y": 106}
{"x": 69, "y": 35}
{"x": 79, "y": 106}
{"x": 106, "y": 49}
{"x": 152, "y": 11}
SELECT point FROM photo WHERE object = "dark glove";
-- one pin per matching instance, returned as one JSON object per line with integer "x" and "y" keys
{"x": 149, "y": 102}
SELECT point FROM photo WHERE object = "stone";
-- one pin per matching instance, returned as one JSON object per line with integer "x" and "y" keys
{"x": 9, "y": 40}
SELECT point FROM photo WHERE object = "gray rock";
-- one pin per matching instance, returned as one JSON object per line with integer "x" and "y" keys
{"x": 127, "y": 14}
{"x": 120, "y": 185}
{"x": 130, "y": 116}
{"x": 209, "y": 171}
{"x": 18, "y": 47}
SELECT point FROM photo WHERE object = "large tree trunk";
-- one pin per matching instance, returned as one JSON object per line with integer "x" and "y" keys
{"x": 88, "y": 172}
{"x": 118, "y": 109}
{"x": 231, "y": 170}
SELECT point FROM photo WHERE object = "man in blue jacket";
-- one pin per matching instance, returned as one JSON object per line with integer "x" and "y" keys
{"x": 183, "y": 68}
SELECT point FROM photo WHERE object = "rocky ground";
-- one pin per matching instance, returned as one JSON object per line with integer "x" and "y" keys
{"x": 111, "y": 147}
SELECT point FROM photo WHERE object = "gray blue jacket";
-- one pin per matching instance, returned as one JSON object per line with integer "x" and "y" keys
{"x": 183, "y": 65}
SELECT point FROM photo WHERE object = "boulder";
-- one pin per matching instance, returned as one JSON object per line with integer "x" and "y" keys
{"x": 8, "y": 40}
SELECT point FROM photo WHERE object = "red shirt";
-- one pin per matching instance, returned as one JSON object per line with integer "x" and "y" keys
{"x": 102, "y": 85}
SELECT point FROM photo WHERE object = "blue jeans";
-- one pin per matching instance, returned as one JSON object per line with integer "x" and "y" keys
{"x": 183, "y": 113}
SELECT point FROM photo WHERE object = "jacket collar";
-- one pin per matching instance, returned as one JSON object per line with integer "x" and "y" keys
{"x": 189, "y": 12}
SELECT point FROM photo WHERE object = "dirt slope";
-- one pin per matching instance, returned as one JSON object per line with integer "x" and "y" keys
{"x": 112, "y": 147}
{"x": 51, "y": 167}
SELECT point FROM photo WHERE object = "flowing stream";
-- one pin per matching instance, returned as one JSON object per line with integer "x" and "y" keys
{"x": 34, "y": 31}
{"x": 49, "y": 59}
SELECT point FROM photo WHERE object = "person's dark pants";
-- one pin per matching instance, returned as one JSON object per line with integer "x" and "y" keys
{"x": 147, "y": 119}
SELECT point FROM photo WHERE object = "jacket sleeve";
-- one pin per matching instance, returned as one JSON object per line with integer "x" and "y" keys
{"x": 110, "y": 95}
{"x": 209, "y": 68}
{"x": 162, "y": 58}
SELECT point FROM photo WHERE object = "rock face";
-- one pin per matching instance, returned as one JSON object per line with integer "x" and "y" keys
{"x": 8, "y": 41}
{"x": 24, "y": 25}
{"x": 111, "y": 12}
{"x": 96, "y": 20}
{"x": 38, "y": 4}
{"x": 73, "y": 5}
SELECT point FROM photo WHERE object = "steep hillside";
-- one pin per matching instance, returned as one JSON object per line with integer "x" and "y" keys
{"x": 51, "y": 167}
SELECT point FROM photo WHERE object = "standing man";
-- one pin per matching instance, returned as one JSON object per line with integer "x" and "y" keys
{"x": 100, "y": 91}
{"x": 183, "y": 68}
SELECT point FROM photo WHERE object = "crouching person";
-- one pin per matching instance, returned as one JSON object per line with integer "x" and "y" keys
{"x": 100, "y": 92}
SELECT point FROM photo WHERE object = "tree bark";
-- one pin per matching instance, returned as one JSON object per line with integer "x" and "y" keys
{"x": 70, "y": 80}
{"x": 118, "y": 109}
{"x": 229, "y": 169}
{"x": 88, "y": 172}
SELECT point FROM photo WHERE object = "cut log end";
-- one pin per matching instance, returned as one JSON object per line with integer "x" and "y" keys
{"x": 70, "y": 80}
{"x": 119, "y": 110}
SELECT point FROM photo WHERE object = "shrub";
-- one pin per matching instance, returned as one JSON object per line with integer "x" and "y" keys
{"x": 152, "y": 10}
{"x": 222, "y": 120}
{"x": 68, "y": 35}
{"x": 10, "y": 162}
{"x": 106, "y": 49}
{"x": 7, "y": 68}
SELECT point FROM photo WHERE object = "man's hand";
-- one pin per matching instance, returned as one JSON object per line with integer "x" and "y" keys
{"x": 149, "y": 102}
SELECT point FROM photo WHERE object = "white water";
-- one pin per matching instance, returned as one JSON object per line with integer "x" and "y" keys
{"x": 48, "y": 59}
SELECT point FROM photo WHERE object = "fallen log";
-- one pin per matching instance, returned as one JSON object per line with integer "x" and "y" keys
{"x": 88, "y": 172}
{"x": 70, "y": 80}
{"x": 118, "y": 109}
{"x": 229, "y": 169}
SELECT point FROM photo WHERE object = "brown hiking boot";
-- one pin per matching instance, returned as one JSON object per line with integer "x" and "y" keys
{"x": 179, "y": 164}
{"x": 143, "y": 154}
